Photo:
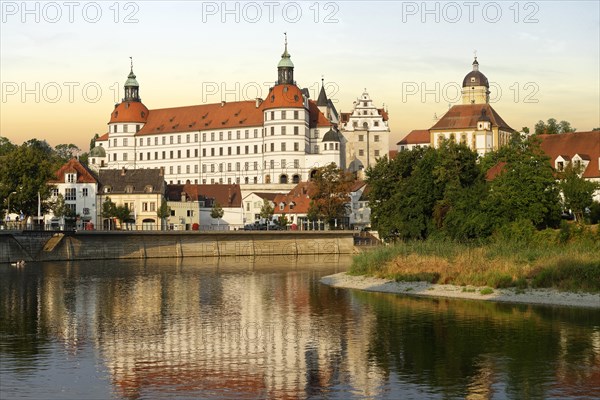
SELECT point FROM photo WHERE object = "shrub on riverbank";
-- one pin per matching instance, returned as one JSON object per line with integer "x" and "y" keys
{"x": 566, "y": 259}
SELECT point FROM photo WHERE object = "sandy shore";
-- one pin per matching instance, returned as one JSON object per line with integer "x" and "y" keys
{"x": 529, "y": 296}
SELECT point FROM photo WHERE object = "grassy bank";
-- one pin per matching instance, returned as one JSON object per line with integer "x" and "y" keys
{"x": 566, "y": 259}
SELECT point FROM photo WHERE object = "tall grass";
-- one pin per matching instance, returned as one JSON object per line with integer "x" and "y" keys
{"x": 547, "y": 258}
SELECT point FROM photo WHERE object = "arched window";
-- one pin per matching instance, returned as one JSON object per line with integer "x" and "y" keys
{"x": 296, "y": 179}
{"x": 283, "y": 179}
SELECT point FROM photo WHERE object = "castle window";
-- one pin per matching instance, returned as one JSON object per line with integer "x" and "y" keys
{"x": 71, "y": 178}
{"x": 376, "y": 138}
{"x": 361, "y": 138}
{"x": 128, "y": 189}
{"x": 283, "y": 115}
{"x": 296, "y": 130}
{"x": 376, "y": 123}
{"x": 376, "y": 153}
{"x": 283, "y": 130}
{"x": 361, "y": 152}
{"x": 283, "y": 147}
{"x": 296, "y": 115}
{"x": 560, "y": 166}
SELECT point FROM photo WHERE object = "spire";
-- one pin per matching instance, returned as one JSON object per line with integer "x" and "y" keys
{"x": 285, "y": 68}
{"x": 132, "y": 87}
{"x": 475, "y": 63}
{"x": 322, "y": 99}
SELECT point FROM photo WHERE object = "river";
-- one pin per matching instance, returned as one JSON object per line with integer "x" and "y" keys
{"x": 244, "y": 328}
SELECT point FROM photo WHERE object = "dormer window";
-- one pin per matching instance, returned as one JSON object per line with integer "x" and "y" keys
{"x": 577, "y": 164}
{"x": 70, "y": 178}
{"x": 128, "y": 189}
{"x": 281, "y": 206}
{"x": 107, "y": 189}
{"x": 148, "y": 189}
{"x": 560, "y": 166}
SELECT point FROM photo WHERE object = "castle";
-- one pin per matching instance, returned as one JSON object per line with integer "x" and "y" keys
{"x": 282, "y": 139}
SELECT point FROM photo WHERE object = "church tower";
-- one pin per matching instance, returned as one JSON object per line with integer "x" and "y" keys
{"x": 285, "y": 68}
{"x": 475, "y": 87}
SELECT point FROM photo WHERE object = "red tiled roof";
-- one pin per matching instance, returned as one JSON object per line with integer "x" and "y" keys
{"x": 102, "y": 138}
{"x": 569, "y": 144}
{"x": 496, "y": 170}
{"x": 465, "y": 116}
{"x": 417, "y": 136}
{"x": 224, "y": 115}
{"x": 317, "y": 119}
{"x": 299, "y": 195}
{"x": 383, "y": 113}
{"x": 357, "y": 185}
{"x": 268, "y": 196}
{"x": 215, "y": 116}
{"x": 84, "y": 175}
{"x": 228, "y": 196}
{"x": 129, "y": 111}
{"x": 284, "y": 96}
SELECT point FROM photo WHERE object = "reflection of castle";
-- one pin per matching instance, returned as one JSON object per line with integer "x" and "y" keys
{"x": 195, "y": 331}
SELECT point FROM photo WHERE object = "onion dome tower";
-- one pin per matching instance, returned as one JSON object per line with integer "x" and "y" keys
{"x": 475, "y": 87}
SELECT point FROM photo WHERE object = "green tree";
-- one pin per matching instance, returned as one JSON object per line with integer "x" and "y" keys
{"x": 266, "y": 211}
{"x": 412, "y": 194}
{"x": 93, "y": 141}
{"x": 59, "y": 208}
{"x": 108, "y": 211}
{"x": 577, "y": 192}
{"x": 552, "y": 127}
{"x": 66, "y": 151}
{"x": 6, "y": 146}
{"x": 282, "y": 221}
{"x": 331, "y": 194}
{"x": 217, "y": 212}
{"x": 163, "y": 212}
{"x": 26, "y": 170}
{"x": 122, "y": 213}
{"x": 526, "y": 189}
{"x": 565, "y": 127}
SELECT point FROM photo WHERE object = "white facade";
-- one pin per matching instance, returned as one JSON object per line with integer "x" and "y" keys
{"x": 366, "y": 134}
{"x": 276, "y": 140}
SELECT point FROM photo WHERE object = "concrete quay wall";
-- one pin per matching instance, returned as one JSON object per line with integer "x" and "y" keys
{"x": 93, "y": 245}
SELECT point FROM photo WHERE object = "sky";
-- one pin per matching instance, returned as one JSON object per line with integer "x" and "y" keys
{"x": 63, "y": 64}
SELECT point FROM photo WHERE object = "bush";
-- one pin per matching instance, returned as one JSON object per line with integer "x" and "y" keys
{"x": 521, "y": 231}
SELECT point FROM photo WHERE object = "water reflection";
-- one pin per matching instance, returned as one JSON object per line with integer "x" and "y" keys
{"x": 256, "y": 328}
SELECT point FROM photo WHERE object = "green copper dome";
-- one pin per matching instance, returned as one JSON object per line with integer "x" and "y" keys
{"x": 286, "y": 61}
{"x": 131, "y": 81}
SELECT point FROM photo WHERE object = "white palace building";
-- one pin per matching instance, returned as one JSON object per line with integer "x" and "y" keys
{"x": 281, "y": 139}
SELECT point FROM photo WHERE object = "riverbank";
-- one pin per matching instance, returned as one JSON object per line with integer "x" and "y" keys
{"x": 425, "y": 289}
{"x": 101, "y": 245}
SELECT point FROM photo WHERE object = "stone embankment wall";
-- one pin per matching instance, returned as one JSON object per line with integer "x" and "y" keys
{"x": 93, "y": 245}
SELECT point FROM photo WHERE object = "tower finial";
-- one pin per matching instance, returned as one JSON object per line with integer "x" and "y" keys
{"x": 131, "y": 60}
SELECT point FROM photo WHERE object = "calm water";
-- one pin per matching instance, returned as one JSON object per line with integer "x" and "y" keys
{"x": 239, "y": 328}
